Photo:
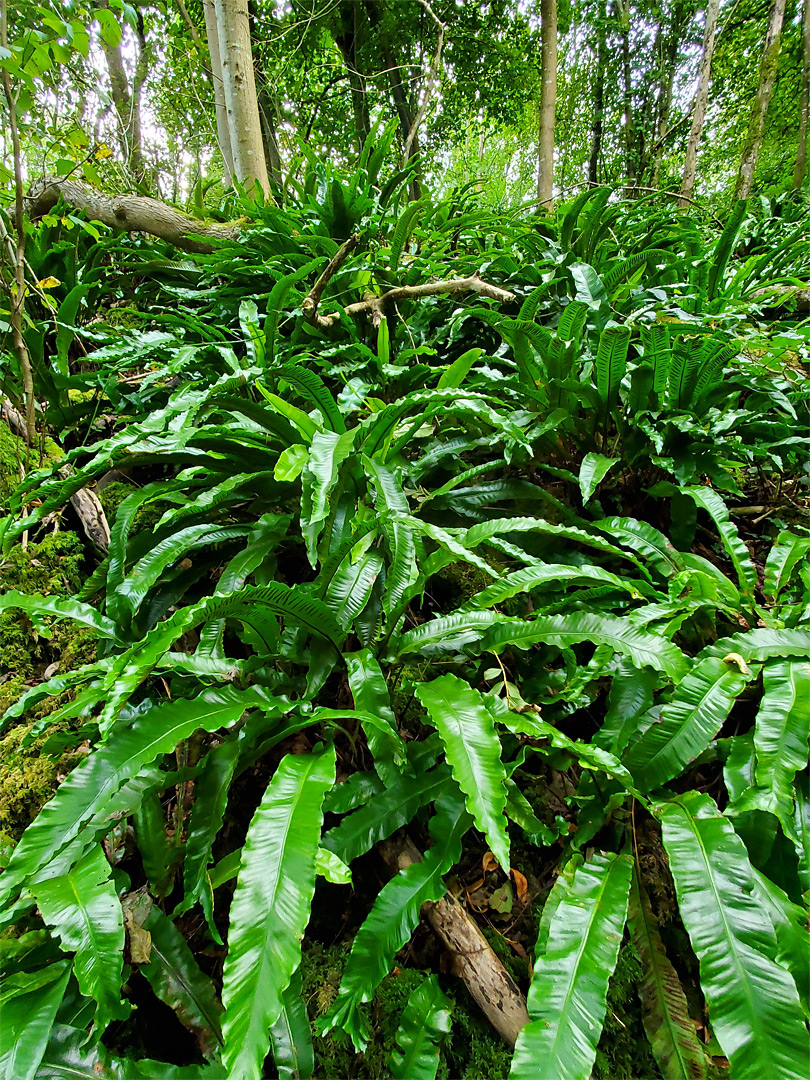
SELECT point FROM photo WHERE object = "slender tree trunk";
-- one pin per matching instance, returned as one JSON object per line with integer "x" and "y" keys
{"x": 670, "y": 62}
{"x": 272, "y": 155}
{"x": 759, "y": 111}
{"x": 548, "y": 104}
{"x": 241, "y": 103}
{"x": 631, "y": 171}
{"x": 223, "y": 135}
{"x": 699, "y": 104}
{"x": 804, "y": 105}
{"x": 127, "y": 102}
{"x": 16, "y": 253}
{"x": 346, "y": 42}
{"x": 598, "y": 94}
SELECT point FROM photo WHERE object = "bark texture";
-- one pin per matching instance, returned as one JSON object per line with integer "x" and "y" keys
{"x": 223, "y": 135}
{"x": 241, "y": 102}
{"x": 759, "y": 110}
{"x": 548, "y": 103}
{"x": 127, "y": 101}
{"x": 631, "y": 163}
{"x": 133, "y": 213}
{"x": 700, "y": 103}
{"x": 804, "y": 102}
{"x": 473, "y": 960}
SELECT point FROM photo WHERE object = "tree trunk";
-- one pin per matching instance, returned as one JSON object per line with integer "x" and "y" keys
{"x": 133, "y": 213}
{"x": 804, "y": 103}
{"x": 759, "y": 111}
{"x": 670, "y": 62}
{"x": 241, "y": 103}
{"x": 598, "y": 93}
{"x": 631, "y": 171}
{"x": 700, "y": 102}
{"x": 548, "y": 104}
{"x": 346, "y": 42}
{"x": 272, "y": 156}
{"x": 398, "y": 94}
{"x": 127, "y": 103}
{"x": 223, "y": 135}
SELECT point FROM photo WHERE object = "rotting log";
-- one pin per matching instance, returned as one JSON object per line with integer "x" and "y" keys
{"x": 132, "y": 213}
{"x": 473, "y": 959}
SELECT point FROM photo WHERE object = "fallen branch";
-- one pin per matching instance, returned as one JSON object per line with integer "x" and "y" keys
{"x": 133, "y": 213}
{"x": 376, "y": 305}
{"x": 313, "y": 298}
{"x": 85, "y": 502}
{"x": 474, "y": 961}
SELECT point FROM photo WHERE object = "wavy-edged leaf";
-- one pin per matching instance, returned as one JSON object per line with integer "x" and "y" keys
{"x": 425, "y": 1023}
{"x": 275, "y": 302}
{"x": 210, "y": 799}
{"x": 657, "y": 353}
{"x": 29, "y": 1008}
{"x": 350, "y": 588}
{"x": 402, "y": 233}
{"x": 801, "y": 824}
{"x": 761, "y": 644}
{"x": 792, "y": 936}
{"x": 370, "y": 691}
{"x": 530, "y": 577}
{"x": 457, "y": 372}
{"x": 755, "y": 1008}
{"x": 473, "y": 751}
{"x": 592, "y": 472}
{"x": 568, "y": 991}
{"x": 313, "y": 387}
{"x": 270, "y": 907}
{"x": 642, "y": 648}
{"x": 92, "y": 787}
{"x": 176, "y": 978}
{"x": 327, "y": 453}
{"x": 787, "y": 552}
{"x": 782, "y": 730}
{"x": 688, "y": 723}
{"x": 610, "y": 362}
{"x": 383, "y": 814}
{"x": 711, "y": 502}
{"x": 630, "y": 696}
{"x": 394, "y": 917}
{"x": 665, "y": 1012}
{"x": 59, "y": 607}
{"x": 646, "y": 541}
{"x": 291, "y": 1035}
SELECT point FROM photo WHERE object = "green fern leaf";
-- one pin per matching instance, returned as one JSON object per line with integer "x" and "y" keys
{"x": 425, "y": 1024}
{"x": 270, "y": 907}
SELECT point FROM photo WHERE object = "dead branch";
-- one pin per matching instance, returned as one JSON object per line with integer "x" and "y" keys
{"x": 133, "y": 213}
{"x": 313, "y": 299}
{"x": 376, "y": 305}
{"x": 474, "y": 961}
{"x": 430, "y": 81}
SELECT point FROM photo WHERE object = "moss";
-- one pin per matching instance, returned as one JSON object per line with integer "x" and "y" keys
{"x": 624, "y": 1051}
{"x": 28, "y": 778}
{"x": 472, "y": 1051}
{"x": 13, "y": 456}
{"x": 146, "y": 516}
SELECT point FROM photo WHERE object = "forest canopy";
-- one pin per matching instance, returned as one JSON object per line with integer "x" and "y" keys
{"x": 405, "y": 611}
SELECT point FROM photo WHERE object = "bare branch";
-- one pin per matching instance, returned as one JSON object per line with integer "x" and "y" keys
{"x": 430, "y": 81}
{"x": 313, "y": 299}
{"x": 376, "y": 305}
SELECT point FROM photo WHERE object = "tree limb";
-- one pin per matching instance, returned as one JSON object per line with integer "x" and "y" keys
{"x": 376, "y": 304}
{"x": 428, "y": 87}
{"x": 133, "y": 213}
{"x": 474, "y": 961}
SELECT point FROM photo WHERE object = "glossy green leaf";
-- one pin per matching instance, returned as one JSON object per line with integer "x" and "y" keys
{"x": 473, "y": 752}
{"x": 712, "y": 503}
{"x": 665, "y": 1011}
{"x": 592, "y": 472}
{"x": 270, "y": 907}
{"x": 787, "y": 552}
{"x": 291, "y": 1036}
{"x": 425, "y": 1023}
{"x": 394, "y": 917}
{"x": 755, "y": 1008}
{"x": 698, "y": 709}
{"x": 782, "y": 730}
{"x": 567, "y": 996}
{"x": 370, "y": 691}
{"x": 27, "y": 1020}
{"x": 84, "y": 911}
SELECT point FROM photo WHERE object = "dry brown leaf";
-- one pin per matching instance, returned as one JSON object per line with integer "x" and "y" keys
{"x": 522, "y": 886}
{"x": 489, "y": 862}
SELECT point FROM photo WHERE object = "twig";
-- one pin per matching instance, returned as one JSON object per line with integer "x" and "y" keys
{"x": 376, "y": 304}
{"x": 313, "y": 298}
